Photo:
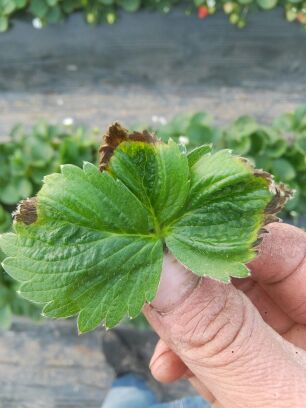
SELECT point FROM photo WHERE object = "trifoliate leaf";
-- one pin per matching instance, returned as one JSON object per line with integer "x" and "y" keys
{"x": 91, "y": 243}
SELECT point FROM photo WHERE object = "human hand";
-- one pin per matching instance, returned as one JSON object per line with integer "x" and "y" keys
{"x": 241, "y": 344}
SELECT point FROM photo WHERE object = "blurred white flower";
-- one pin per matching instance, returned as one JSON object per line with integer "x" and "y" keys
{"x": 71, "y": 67}
{"x": 184, "y": 140}
{"x": 211, "y": 3}
{"x": 68, "y": 121}
{"x": 159, "y": 119}
{"x": 37, "y": 23}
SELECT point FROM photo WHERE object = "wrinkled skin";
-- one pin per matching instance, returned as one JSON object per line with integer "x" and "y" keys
{"x": 241, "y": 344}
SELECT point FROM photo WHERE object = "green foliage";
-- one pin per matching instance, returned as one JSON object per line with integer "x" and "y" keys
{"x": 25, "y": 158}
{"x": 5, "y": 220}
{"x": 10, "y": 302}
{"x": 96, "y": 245}
{"x": 279, "y": 149}
{"x": 96, "y": 11}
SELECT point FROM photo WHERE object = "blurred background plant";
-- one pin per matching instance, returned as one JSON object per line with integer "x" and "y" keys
{"x": 26, "y": 156}
{"x": 279, "y": 149}
{"x": 43, "y": 12}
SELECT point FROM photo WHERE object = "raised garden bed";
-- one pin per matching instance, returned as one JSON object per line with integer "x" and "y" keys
{"x": 45, "y": 12}
{"x": 149, "y": 64}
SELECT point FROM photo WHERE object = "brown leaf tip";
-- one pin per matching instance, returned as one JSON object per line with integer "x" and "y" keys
{"x": 280, "y": 195}
{"x": 26, "y": 211}
{"x": 116, "y": 135}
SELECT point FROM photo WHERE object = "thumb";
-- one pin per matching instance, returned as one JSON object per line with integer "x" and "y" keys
{"x": 221, "y": 338}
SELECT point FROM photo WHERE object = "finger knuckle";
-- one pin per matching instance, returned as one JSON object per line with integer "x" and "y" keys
{"x": 214, "y": 330}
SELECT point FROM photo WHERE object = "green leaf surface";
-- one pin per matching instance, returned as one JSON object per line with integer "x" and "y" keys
{"x": 197, "y": 153}
{"x": 39, "y": 8}
{"x": 267, "y": 4}
{"x": 20, "y": 3}
{"x": 95, "y": 247}
{"x": 7, "y": 6}
{"x": 8, "y": 243}
{"x": 277, "y": 148}
{"x": 199, "y": 134}
{"x": 4, "y": 24}
{"x": 225, "y": 211}
{"x": 10, "y": 194}
{"x": 52, "y": 3}
{"x": 5, "y": 317}
{"x": 5, "y": 220}
{"x": 302, "y": 143}
{"x": 87, "y": 249}
{"x": 157, "y": 175}
{"x": 130, "y": 5}
{"x": 283, "y": 169}
{"x": 24, "y": 187}
{"x": 54, "y": 15}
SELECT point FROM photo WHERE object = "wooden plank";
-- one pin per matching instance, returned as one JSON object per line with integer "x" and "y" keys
{"x": 151, "y": 64}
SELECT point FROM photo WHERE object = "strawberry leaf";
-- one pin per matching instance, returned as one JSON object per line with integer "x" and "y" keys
{"x": 89, "y": 252}
{"x": 91, "y": 243}
{"x": 225, "y": 212}
{"x": 158, "y": 174}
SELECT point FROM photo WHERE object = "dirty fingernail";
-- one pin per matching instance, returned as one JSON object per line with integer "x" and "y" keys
{"x": 176, "y": 284}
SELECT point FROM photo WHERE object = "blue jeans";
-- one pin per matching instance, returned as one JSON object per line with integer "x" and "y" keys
{"x": 131, "y": 391}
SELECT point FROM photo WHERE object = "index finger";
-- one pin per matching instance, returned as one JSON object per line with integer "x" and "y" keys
{"x": 280, "y": 268}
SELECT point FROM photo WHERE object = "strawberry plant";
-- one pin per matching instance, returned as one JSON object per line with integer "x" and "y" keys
{"x": 279, "y": 149}
{"x": 24, "y": 159}
{"x": 91, "y": 243}
{"x": 46, "y": 12}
